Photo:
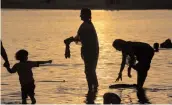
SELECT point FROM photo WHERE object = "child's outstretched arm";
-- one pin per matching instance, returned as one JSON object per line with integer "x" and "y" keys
{"x": 43, "y": 62}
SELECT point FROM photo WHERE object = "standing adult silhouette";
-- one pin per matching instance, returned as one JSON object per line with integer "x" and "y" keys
{"x": 90, "y": 47}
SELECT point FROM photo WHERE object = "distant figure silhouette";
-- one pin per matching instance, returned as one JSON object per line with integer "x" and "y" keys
{"x": 24, "y": 70}
{"x": 111, "y": 98}
{"x": 4, "y": 55}
{"x": 90, "y": 47}
{"x": 166, "y": 44}
{"x": 156, "y": 47}
{"x": 140, "y": 51}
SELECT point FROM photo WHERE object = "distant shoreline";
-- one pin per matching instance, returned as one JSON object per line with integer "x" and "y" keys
{"x": 108, "y": 9}
{"x": 77, "y": 7}
{"x": 92, "y": 4}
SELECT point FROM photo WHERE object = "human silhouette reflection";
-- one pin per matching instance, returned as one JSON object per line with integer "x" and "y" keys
{"x": 142, "y": 98}
{"x": 91, "y": 97}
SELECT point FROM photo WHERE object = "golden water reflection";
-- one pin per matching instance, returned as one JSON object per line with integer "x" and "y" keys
{"x": 42, "y": 32}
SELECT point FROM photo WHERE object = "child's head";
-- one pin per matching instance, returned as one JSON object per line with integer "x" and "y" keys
{"x": 111, "y": 98}
{"x": 22, "y": 55}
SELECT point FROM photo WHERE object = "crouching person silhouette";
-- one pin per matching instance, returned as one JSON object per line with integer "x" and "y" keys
{"x": 24, "y": 70}
{"x": 90, "y": 47}
{"x": 140, "y": 51}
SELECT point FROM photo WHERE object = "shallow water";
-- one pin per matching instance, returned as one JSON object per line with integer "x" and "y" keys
{"x": 42, "y": 32}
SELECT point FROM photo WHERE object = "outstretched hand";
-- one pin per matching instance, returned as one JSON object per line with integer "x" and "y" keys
{"x": 50, "y": 61}
{"x": 119, "y": 77}
{"x": 129, "y": 75}
{"x": 6, "y": 64}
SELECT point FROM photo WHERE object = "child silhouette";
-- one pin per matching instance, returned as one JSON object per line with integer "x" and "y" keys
{"x": 24, "y": 70}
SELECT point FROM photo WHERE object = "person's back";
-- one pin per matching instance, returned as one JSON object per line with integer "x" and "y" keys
{"x": 141, "y": 50}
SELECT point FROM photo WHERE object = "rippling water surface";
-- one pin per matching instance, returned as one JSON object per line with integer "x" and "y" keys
{"x": 42, "y": 32}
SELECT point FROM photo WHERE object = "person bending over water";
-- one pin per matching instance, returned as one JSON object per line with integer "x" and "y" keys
{"x": 24, "y": 70}
{"x": 90, "y": 47}
{"x": 140, "y": 51}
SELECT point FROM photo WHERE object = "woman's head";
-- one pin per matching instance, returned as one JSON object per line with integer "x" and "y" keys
{"x": 22, "y": 55}
{"x": 85, "y": 14}
{"x": 119, "y": 44}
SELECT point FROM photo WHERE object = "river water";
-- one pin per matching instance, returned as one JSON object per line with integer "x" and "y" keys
{"x": 42, "y": 32}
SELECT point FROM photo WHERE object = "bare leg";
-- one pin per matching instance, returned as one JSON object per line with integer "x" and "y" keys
{"x": 24, "y": 101}
{"x": 24, "y": 95}
{"x": 95, "y": 81}
{"x": 90, "y": 71}
{"x": 141, "y": 77}
{"x": 31, "y": 93}
{"x": 89, "y": 80}
{"x": 33, "y": 99}
{"x": 129, "y": 72}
